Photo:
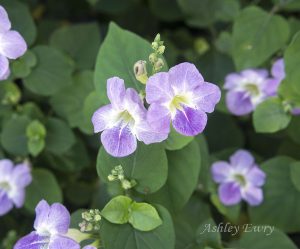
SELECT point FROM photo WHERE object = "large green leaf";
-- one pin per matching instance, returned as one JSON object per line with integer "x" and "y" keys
{"x": 281, "y": 197}
{"x": 270, "y": 116}
{"x": 184, "y": 168}
{"x": 120, "y": 50}
{"x": 148, "y": 166}
{"x": 126, "y": 237}
{"x": 43, "y": 186}
{"x": 176, "y": 141}
{"x": 52, "y": 72}
{"x": 257, "y": 35}
{"x": 80, "y": 41}
{"x": 293, "y": 130}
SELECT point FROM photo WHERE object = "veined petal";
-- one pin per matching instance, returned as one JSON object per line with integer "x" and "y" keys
{"x": 21, "y": 175}
{"x": 159, "y": 118}
{"x": 133, "y": 104}
{"x": 60, "y": 242}
{"x": 41, "y": 215}
{"x": 119, "y": 141}
{"x": 220, "y": 171}
{"x": 116, "y": 91}
{"x": 230, "y": 193}
{"x": 18, "y": 197}
{"x": 5, "y": 203}
{"x": 102, "y": 118}
{"x": 242, "y": 161}
{"x": 253, "y": 195}
{"x": 5, "y": 24}
{"x": 189, "y": 121}
{"x": 185, "y": 77}
{"x": 146, "y": 134}
{"x": 89, "y": 247}
{"x": 256, "y": 176}
{"x": 6, "y": 168}
{"x": 238, "y": 104}
{"x": 4, "y": 67}
{"x": 206, "y": 96}
{"x": 32, "y": 241}
{"x": 12, "y": 44}
{"x": 158, "y": 88}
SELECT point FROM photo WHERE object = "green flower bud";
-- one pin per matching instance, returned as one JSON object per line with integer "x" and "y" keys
{"x": 140, "y": 71}
{"x": 10, "y": 94}
{"x": 201, "y": 46}
{"x": 158, "y": 65}
{"x": 153, "y": 58}
{"x": 154, "y": 45}
{"x": 111, "y": 178}
{"x": 161, "y": 49}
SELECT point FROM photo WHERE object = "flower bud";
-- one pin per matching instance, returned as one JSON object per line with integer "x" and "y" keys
{"x": 154, "y": 45}
{"x": 140, "y": 71}
{"x": 158, "y": 65}
{"x": 161, "y": 49}
{"x": 153, "y": 58}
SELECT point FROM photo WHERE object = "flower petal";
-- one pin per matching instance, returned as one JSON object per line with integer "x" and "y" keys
{"x": 189, "y": 121}
{"x": 238, "y": 104}
{"x": 18, "y": 197}
{"x": 41, "y": 215}
{"x": 146, "y": 134}
{"x": 242, "y": 161}
{"x": 206, "y": 96}
{"x": 159, "y": 118}
{"x": 253, "y": 195}
{"x": 271, "y": 86}
{"x": 277, "y": 70}
{"x": 32, "y": 241}
{"x": 21, "y": 175}
{"x": 119, "y": 141}
{"x": 185, "y": 77}
{"x": 60, "y": 242}
{"x": 220, "y": 171}
{"x": 102, "y": 118}
{"x": 158, "y": 88}
{"x": 232, "y": 81}
{"x": 12, "y": 44}
{"x": 89, "y": 247}
{"x": 229, "y": 193}
{"x": 256, "y": 176}
{"x": 116, "y": 91}
{"x": 133, "y": 104}
{"x": 6, "y": 168}
{"x": 5, "y": 203}
{"x": 5, "y": 24}
{"x": 4, "y": 67}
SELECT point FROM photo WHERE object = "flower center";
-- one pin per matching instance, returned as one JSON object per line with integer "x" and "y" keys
{"x": 240, "y": 179}
{"x": 177, "y": 101}
{"x": 126, "y": 117}
{"x": 252, "y": 88}
{"x": 5, "y": 186}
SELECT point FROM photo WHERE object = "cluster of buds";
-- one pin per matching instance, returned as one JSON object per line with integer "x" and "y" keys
{"x": 118, "y": 174}
{"x": 91, "y": 221}
{"x": 140, "y": 71}
{"x": 154, "y": 58}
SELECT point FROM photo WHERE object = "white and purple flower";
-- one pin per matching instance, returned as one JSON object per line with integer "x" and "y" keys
{"x": 12, "y": 44}
{"x": 248, "y": 89}
{"x": 239, "y": 179}
{"x": 123, "y": 122}
{"x": 51, "y": 226}
{"x": 181, "y": 96}
{"x": 13, "y": 181}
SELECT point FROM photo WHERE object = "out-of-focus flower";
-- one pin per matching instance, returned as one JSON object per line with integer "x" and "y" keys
{"x": 51, "y": 226}
{"x": 239, "y": 179}
{"x": 181, "y": 96}
{"x": 13, "y": 181}
{"x": 123, "y": 122}
{"x": 247, "y": 89}
{"x": 12, "y": 44}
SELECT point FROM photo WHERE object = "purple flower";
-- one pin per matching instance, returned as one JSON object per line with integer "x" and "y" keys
{"x": 89, "y": 247}
{"x": 239, "y": 179}
{"x": 123, "y": 122}
{"x": 13, "y": 181}
{"x": 181, "y": 96}
{"x": 51, "y": 226}
{"x": 247, "y": 89}
{"x": 12, "y": 44}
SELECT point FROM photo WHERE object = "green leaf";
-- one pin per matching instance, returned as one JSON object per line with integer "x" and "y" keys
{"x": 278, "y": 188}
{"x": 118, "y": 53}
{"x": 35, "y": 133}
{"x": 126, "y": 237}
{"x": 69, "y": 102}
{"x": 80, "y": 41}
{"x": 52, "y": 72}
{"x": 10, "y": 93}
{"x": 259, "y": 240}
{"x": 148, "y": 166}
{"x": 290, "y": 87}
{"x": 13, "y": 138}
{"x": 270, "y": 116}
{"x": 293, "y": 129}
{"x": 21, "y": 67}
{"x": 117, "y": 210}
{"x": 43, "y": 186}
{"x": 184, "y": 168}
{"x": 257, "y": 35}
{"x": 208, "y": 238}
{"x": 144, "y": 217}
{"x": 176, "y": 141}
{"x": 295, "y": 175}
{"x": 21, "y": 19}
{"x": 60, "y": 137}
{"x": 166, "y": 10}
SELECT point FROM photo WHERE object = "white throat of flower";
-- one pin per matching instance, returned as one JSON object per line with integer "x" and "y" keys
{"x": 253, "y": 90}
{"x": 178, "y": 102}
{"x": 240, "y": 179}
{"x": 5, "y": 186}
